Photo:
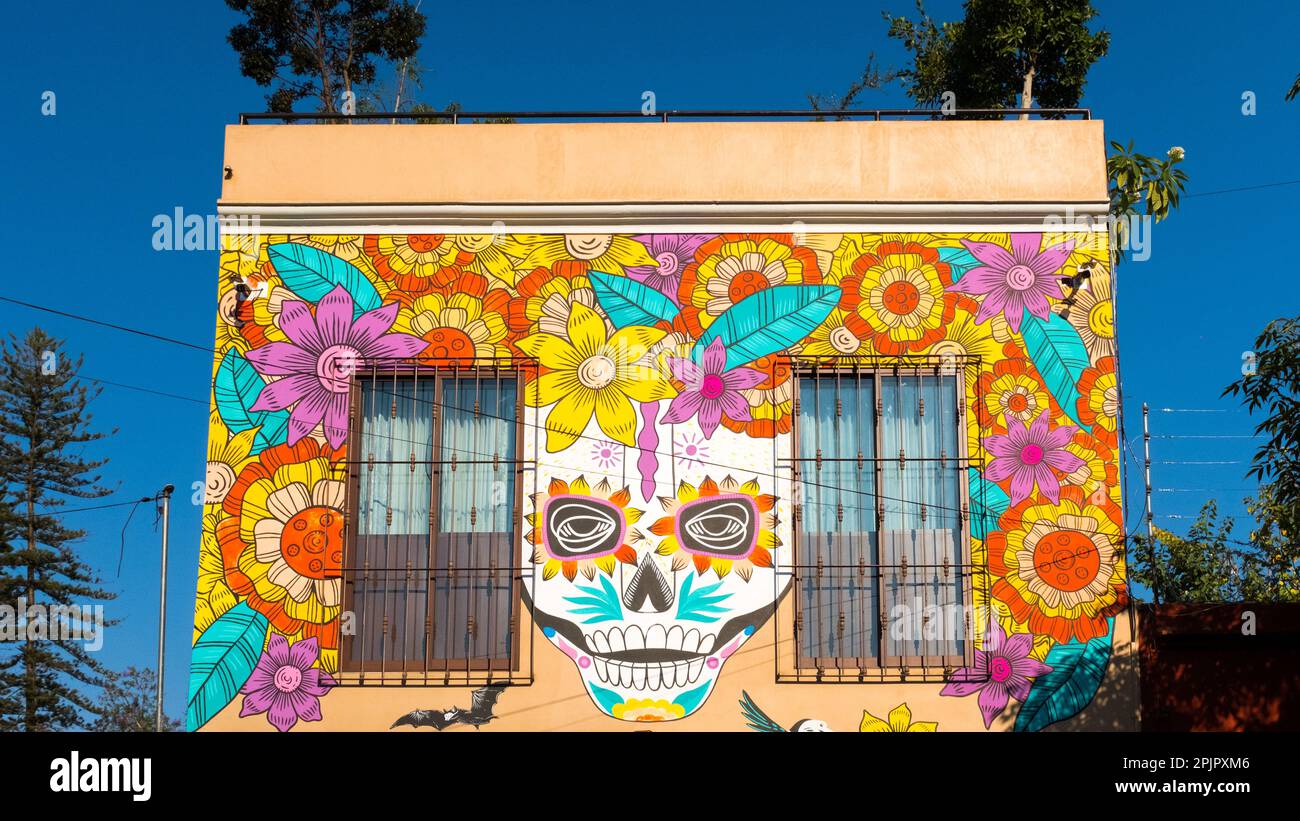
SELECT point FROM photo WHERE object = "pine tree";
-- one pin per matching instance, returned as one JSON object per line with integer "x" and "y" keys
{"x": 128, "y": 705}
{"x": 44, "y": 429}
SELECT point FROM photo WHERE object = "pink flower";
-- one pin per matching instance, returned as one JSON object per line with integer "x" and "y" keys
{"x": 710, "y": 389}
{"x": 1002, "y": 671}
{"x": 318, "y": 365}
{"x": 285, "y": 685}
{"x": 1028, "y": 454}
{"x": 1016, "y": 280}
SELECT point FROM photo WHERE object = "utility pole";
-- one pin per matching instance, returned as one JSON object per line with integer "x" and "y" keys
{"x": 162, "y": 605}
{"x": 1151, "y": 528}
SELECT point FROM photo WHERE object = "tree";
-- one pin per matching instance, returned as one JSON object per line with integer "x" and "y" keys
{"x": 1208, "y": 565}
{"x": 128, "y": 703}
{"x": 44, "y": 429}
{"x": 873, "y": 79}
{"x": 1295, "y": 89}
{"x": 1000, "y": 51}
{"x": 1142, "y": 182}
{"x": 321, "y": 48}
{"x": 1273, "y": 388}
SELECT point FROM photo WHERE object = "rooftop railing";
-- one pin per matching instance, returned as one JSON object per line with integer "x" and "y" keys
{"x": 878, "y": 114}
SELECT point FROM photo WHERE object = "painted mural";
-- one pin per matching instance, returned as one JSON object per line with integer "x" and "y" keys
{"x": 655, "y": 539}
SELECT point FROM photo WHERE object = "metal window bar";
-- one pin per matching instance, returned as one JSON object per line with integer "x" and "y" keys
{"x": 441, "y": 606}
{"x": 831, "y": 646}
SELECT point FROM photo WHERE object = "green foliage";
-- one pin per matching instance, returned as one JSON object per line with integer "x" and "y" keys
{"x": 999, "y": 50}
{"x": 128, "y": 703}
{"x": 44, "y": 432}
{"x": 322, "y": 48}
{"x": 1141, "y": 183}
{"x": 1274, "y": 390}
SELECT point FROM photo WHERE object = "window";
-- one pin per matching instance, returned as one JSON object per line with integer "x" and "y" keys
{"x": 881, "y": 577}
{"x": 431, "y": 579}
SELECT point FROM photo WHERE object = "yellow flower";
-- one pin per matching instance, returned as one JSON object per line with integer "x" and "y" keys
{"x": 900, "y": 721}
{"x": 742, "y": 558}
{"x": 226, "y": 458}
{"x": 344, "y": 246}
{"x": 638, "y": 709}
{"x": 610, "y": 253}
{"x": 592, "y": 372}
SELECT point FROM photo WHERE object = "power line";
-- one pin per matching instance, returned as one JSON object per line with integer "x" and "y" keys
{"x": 1242, "y": 188}
{"x": 83, "y": 509}
{"x": 102, "y": 323}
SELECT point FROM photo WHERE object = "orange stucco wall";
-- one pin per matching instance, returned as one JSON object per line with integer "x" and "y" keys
{"x": 903, "y": 162}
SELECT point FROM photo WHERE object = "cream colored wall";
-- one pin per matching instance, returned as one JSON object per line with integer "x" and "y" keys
{"x": 897, "y": 162}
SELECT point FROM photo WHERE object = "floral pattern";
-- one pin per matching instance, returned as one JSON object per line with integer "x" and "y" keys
{"x": 1049, "y": 564}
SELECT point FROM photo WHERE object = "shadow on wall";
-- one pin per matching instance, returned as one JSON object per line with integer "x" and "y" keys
{"x": 1114, "y": 707}
{"x": 1220, "y": 667}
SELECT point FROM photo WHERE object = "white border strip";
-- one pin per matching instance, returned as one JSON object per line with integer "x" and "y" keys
{"x": 659, "y": 217}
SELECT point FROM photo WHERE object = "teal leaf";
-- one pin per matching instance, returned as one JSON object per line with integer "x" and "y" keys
{"x": 601, "y": 604}
{"x": 222, "y": 660}
{"x": 1060, "y": 358}
{"x": 959, "y": 260}
{"x": 1077, "y": 672}
{"x": 628, "y": 302}
{"x": 769, "y": 321}
{"x": 607, "y": 699}
{"x": 691, "y": 699}
{"x": 234, "y": 390}
{"x": 700, "y": 605}
{"x": 311, "y": 274}
{"x": 988, "y": 502}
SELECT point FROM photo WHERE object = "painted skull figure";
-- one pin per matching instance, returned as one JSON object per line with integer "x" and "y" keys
{"x": 650, "y": 599}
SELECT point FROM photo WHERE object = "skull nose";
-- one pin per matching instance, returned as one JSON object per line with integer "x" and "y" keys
{"x": 649, "y": 591}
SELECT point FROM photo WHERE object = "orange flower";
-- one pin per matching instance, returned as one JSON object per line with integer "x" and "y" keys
{"x": 577, "y": 528}
{"x": 1059, "y": 568}
{"x": 1013, "y": 388}
{"x": 1098, "y": 404}
{"x": 731, "y": 267}
{"x": 727, "y": 526}
{"x": 771, "y": 401}
{"x": 899, "y": 291}
{"x": 416, "y": 263}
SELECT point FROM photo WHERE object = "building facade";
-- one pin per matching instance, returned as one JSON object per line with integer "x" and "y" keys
{"x": 723, "y": 426}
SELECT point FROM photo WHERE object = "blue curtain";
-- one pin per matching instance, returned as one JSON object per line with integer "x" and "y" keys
{"x": 838, "y": 601}
{"x": 922, "y": 514}
{"x": 919, "y": 503}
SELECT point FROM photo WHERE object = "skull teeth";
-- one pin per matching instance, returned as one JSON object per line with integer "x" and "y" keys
{"x": 648, "y": 676}
{"x": 656, "y": 637}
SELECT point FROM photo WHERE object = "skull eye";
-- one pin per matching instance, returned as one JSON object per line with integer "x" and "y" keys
{"x": 582, "y": 528}
{"x": 718, "y": 527}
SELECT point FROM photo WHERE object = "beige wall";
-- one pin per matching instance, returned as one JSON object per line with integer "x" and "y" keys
{"x": 557, "y": 700}
{"x": 850, "y": 162}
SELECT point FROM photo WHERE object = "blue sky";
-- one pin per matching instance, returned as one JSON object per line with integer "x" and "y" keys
{"x": 144, "y": 91}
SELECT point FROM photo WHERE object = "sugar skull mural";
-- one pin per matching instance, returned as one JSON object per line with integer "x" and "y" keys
{"x": 656, "y": 535}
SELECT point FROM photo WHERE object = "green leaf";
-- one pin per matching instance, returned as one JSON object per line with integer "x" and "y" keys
{"x": 311, "y": 274}
{"x": 1060, "y": 358}
{"x": 628, "y": 302}
{"x": 234, "y": 391}
{"x": 769, "y": 321}
{"x": 1077, "y": 673}
{"x": 222, "y": 660}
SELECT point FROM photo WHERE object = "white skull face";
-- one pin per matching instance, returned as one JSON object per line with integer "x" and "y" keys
{"x": 649, "y": 598}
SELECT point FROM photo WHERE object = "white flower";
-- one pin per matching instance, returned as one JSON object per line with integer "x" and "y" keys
{"x": 1177, "y": 153}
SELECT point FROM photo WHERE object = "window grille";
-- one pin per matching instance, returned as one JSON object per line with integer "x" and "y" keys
{"x": 882, "y": 576}
{"x": 432, "y": 576}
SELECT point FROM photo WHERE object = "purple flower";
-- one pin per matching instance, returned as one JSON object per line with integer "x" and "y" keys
{"x": 1016, "y": 280}
{"x": 710, "y": 389}
{"x": 318, "y": 365}
{"x": 1028, "y": 454}
{"x": 1002, "y": 671}
{"x": 672, "y": 253}
{"x": 285, "y": 685}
